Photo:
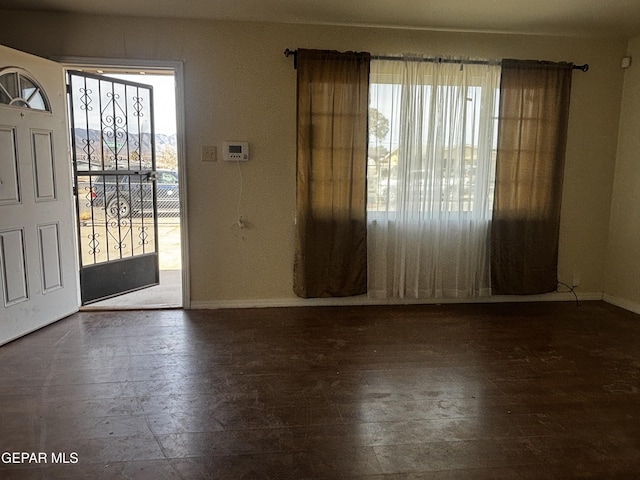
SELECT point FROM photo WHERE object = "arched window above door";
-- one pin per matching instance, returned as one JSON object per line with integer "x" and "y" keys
{"x": 19, "y": 89}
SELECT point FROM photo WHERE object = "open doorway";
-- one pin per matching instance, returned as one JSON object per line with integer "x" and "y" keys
{"x": 170, "y": 291}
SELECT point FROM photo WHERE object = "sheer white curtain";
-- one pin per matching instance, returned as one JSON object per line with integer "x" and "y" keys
{"x": 433, "y": 130}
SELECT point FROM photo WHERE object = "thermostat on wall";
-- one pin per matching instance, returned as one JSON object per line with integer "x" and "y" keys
{"x": 235, "y": 151}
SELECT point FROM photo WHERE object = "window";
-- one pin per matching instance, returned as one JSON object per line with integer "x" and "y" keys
{"x": 432, "y": 137}
{"x": 18, "y": 89}
{"x": 431, "y": 159}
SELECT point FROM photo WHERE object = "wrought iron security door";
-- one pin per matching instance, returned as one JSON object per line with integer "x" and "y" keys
{"x": 112, "y": 136}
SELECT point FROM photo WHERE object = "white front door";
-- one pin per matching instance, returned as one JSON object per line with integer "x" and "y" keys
{"x": 38, "y": 262}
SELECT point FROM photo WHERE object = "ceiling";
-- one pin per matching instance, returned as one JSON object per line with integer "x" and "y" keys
{"x": 593, "y": 18}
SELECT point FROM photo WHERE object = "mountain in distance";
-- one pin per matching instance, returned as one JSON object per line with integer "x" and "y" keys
{"x": 162, "y": 140}
{"x": 165, "y": 145}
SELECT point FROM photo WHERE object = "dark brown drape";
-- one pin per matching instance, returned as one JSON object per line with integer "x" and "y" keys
{"x": 532, "y": 134}
{"x": 331, "y": 230}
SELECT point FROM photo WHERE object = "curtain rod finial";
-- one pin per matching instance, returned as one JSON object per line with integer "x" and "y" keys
{"x": 288, "y": 52}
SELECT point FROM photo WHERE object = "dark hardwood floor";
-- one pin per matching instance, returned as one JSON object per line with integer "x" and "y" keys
{"x": 497, "y": 391}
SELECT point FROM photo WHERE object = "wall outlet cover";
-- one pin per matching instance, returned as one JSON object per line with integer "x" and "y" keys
{"x": 209, "y": 153}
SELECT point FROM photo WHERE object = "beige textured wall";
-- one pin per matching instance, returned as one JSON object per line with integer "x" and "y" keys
{"x": 239, "y": 86}
{"x": 623, "y": 265}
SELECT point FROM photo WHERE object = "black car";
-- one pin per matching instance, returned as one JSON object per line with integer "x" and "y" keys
{"x": 132, "y": 195}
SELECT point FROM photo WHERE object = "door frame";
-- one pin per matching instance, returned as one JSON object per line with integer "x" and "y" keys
{"x": 177, "y": 67}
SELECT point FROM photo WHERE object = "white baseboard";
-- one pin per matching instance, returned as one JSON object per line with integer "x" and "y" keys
{"x": 364, "y": 300}
{"x": 622, "y": 303}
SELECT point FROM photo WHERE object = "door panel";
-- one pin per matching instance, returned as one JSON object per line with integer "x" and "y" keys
{"x": 114, "y": 158}
{"x": 14, "y": 270}
{"x": 42, "y": 145}
{"x": 107, "y": 279}
{"x": 50, "y": 259}
{"x": 9, "y": 188}
{"x": 38, "y": 262}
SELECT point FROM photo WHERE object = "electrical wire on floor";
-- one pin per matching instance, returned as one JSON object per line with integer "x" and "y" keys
{"x": 572, "y": 290}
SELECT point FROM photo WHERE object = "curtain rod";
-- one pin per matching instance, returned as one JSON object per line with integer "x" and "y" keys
{"x": 288, "y": 53}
